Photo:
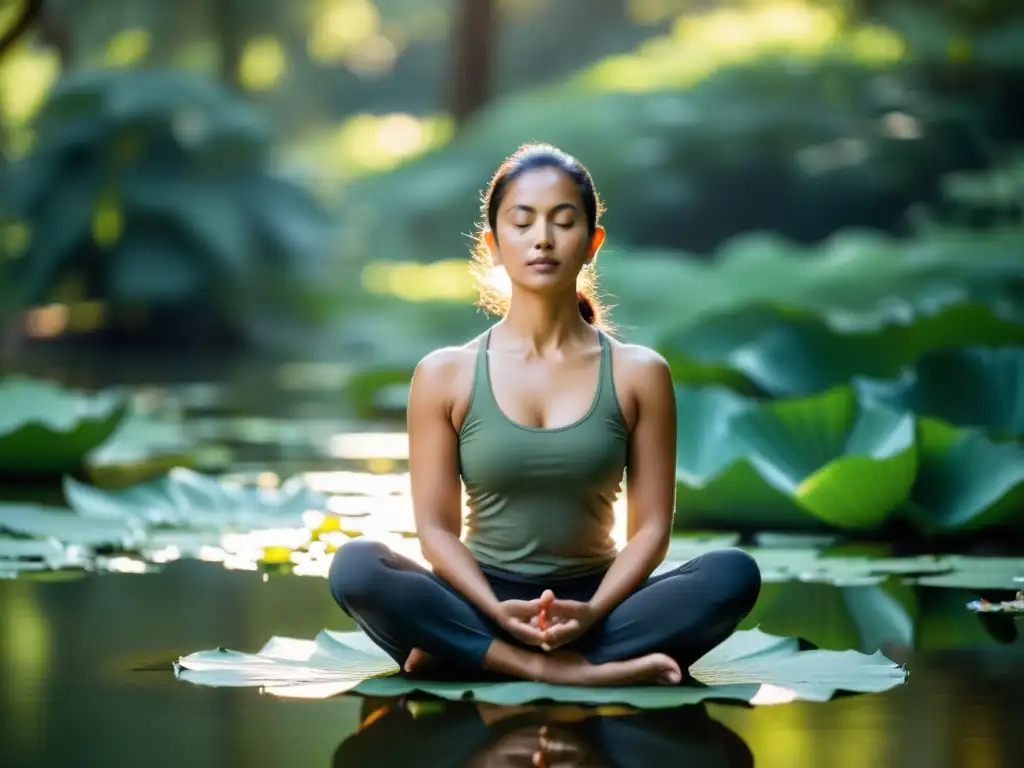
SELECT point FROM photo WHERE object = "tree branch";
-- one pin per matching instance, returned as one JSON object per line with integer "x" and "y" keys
{"x": 31, "y": 11}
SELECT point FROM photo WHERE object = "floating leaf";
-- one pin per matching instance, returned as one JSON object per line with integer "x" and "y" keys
{"x": 139, "y": 449}
{"x": 785, "y": 463}
{"x": 738, "y": 669}
{"x": 966, "y": 481}
{"x": 190, "y": 499}
{"x": 67, "y": 527}
{"x": 977, "y": 573}
{"x": 48, "y": 430}
{"x": 977, "y": 387}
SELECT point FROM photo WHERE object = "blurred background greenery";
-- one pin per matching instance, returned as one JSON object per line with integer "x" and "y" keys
{"x": 814, "y": 210}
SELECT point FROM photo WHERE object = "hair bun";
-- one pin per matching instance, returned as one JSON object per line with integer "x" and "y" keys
{"x": 586, "y": 307}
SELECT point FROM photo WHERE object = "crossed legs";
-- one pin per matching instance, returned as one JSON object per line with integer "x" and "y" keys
{"x": 681, "y": 614}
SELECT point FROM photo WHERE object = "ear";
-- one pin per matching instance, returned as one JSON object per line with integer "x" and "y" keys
{"x": 595, "y": 244}
{"x": 492, "y": 247}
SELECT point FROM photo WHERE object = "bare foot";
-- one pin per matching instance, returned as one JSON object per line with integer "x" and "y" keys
{"x": 565, "y": 668}
{"x": 417, "y": 661}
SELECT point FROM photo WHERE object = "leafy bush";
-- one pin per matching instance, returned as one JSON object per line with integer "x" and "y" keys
{"x": 153, "y": 189}
{"x": 800, "y": 149}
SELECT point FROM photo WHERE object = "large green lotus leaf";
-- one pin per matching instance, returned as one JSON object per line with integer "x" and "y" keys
{"x": 848, "y": 464}
{"x": 739, "y": 669}
{"x": 793, "y": 352}
{"x": 48, "y": 430}
{"x": 186, "y": 498}
{"x": 715, "y": 484}
{"x": 965, "y": 480}
{"x": 978, "y": 387}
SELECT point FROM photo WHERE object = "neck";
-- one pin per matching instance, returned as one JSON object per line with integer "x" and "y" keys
{"x": 544, "y": 323}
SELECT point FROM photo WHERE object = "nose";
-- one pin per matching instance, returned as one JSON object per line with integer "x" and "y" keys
{"x": 544, "y": 243}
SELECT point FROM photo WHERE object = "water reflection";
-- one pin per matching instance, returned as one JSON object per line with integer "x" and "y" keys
{"x": 481, "y": 736}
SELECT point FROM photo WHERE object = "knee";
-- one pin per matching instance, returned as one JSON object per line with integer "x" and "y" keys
{"x": 738, "y": 573}
{"x": 355, "y": 570}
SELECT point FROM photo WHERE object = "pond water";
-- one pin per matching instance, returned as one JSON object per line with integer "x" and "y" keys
{"x": 86, "y": 658}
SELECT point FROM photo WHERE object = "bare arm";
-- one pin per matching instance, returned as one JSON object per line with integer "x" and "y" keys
{"x": 651, "y": 487}
{"x": 436, "y": 486}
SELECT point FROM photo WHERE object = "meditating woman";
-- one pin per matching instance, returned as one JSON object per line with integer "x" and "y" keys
{"x": 541, "y": 417}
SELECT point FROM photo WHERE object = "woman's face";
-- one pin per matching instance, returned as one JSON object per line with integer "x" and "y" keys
{"x": 542, "y": 238}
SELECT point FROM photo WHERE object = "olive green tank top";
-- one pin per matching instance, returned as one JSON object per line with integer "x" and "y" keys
{"x": 540, "y": 500}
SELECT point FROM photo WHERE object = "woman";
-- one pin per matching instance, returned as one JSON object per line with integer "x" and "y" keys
{"x": 539, "y": 417}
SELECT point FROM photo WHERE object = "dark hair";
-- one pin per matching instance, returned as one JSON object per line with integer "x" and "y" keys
{"x": 527, "y": 158}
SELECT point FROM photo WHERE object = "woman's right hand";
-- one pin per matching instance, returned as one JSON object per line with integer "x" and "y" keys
{"x": 516, "y": 617}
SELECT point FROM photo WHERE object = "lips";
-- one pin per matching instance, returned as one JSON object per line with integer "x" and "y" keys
{"x": 544, "y": 261}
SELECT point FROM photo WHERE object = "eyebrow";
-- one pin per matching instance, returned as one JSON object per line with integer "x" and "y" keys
{"x": 557, "y": 209}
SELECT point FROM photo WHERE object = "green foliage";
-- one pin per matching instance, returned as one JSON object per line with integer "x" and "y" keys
{"x": 154, "y": 190}
{"x": 803, "y": 150}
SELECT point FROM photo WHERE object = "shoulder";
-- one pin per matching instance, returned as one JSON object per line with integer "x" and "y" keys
{"x": 445, "y": 362}
{"x": 443, "y": 374}
{"x": 643, "y": 381}
{"x": 637, "y": 362}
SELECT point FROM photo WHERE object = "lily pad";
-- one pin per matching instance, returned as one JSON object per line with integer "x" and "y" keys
{"x": 977, "y": 387}
{"x": 786, "y": 463}
{"x": 739, "y": 669}
{"x": 977, "y": 573}
{"x": 46, "y": 430}
{"x": 66, "y": 527}
{"x": 140, "y": 449}
{"x": 965, "y": 480}
{"x": 184, "y": 498}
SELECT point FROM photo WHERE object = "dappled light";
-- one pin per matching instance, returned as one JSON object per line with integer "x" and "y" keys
{"x": 439, "y": 281}
{"x": 700, "y": 44}
{"x": 26, "y": 78}
{"x": 263, "y": 64}
{"x": 128, "y": 48}
{"x": 341, "y": 28}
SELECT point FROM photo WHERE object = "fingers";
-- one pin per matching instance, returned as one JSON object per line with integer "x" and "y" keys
{"x": 562, "y": 633}
{"x": 547, "y": 598}
{"x": 526, "y": 633}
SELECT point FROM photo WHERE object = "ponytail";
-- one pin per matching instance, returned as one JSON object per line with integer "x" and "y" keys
{"x": 587, "y": 307}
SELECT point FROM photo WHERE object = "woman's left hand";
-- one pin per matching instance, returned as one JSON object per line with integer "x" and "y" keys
{"x": 563, "y": 621}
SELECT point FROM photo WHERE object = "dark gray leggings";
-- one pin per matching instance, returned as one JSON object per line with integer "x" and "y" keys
{"x": 684, "y": 612}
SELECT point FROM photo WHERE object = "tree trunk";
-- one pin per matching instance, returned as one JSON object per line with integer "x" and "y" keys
{"x": 473, "y": 38}
{"x": 227, "y": 30}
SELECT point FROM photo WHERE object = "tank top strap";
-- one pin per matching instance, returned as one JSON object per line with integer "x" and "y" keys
{"x": 481, "y": 375}
{"x": 606, "y": 393}
{"x": 481, "y": 401}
